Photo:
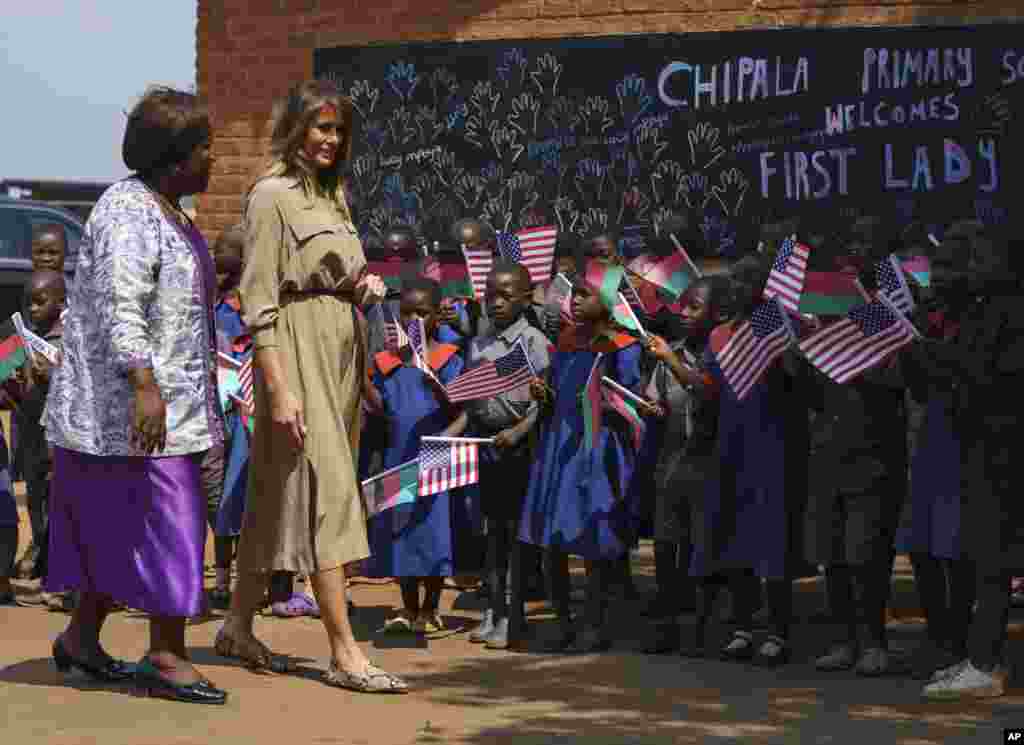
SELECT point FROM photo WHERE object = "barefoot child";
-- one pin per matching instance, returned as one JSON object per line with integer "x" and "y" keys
{"x": 414, "y": 541}
{"x": 580, "y": 477}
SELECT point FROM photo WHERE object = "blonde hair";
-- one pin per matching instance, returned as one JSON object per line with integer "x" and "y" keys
{"x": 293, "y": 116}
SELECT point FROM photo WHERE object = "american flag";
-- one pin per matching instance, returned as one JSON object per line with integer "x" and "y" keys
{"x": 245, "y": 378}
{"x": 492, "y": 378}
{"x": 447, "y": 464}
{"x": 863, "y": 339}
{"x": 478, "y": 263}
{"x": 416, "y": 335}
{"x": 893, "y": 284}
{"x": 786, "y": 280}
{"x": 557, "y": 308}
{"x": 534, "y": 248}
{"x": 755, "y": 345}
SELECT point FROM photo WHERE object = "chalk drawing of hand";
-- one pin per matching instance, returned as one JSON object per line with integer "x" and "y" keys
{"x": 636, "y": 203}
{"x": 506, "y": 142}
{"x": 512, "y": 68}
{"x": 401, "y": 125}
{"x": 730, "y": 190}
{"x": 562, "y": 115}
{"x": 695, "y": 190}
{"x": 475, "y": 131}
{"x": 667, "y": 182}
{"x": 364, "y": 97}
{"x": 485, "y": 98}
{"x": 443, "y": 85}
{"x": 469, "y": 188}
{"x": 426, "y": 185}
{"x": 660, "y": 217}
{"x": 375, "y": 134}
{"x": 456, "y": 118}
{"x": 565, "y": 208}
{"x": 525, "y": 110}
{"x": 705, "y": 149}
{"x": 381, "y": 218}
{"x": 593, "y": 221}
{"x": 495, "y": 214}
{"x": 621, "y": 170}
{"x": 427, "y": 123}
{"x": 447, "y": 167}
{"x": 649, "y": 147}
{"x": 366, "y": 174}
{"x": 590, "y": 179}
{"x": 493, "y": 177}
{"x": 547, "y": 74}
{"x": 522, "y": 194}
{"x": 594, "y": 115}
{"x": 402, "y": 78}
{"x": 993, "y": 115}
{"x": 634, "y": 100}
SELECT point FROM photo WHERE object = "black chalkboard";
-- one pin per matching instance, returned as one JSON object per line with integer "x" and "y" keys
{"x": 733, "y": 129}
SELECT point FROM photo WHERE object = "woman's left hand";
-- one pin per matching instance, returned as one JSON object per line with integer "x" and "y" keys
{"x": 372, "y": 288}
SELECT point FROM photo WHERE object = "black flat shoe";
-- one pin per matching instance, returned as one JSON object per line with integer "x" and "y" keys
{"x": 666, "y": 640}
{"x": 773, "y": 652}
{"x": 111, "y": 671}
{"x": 563, "y": 643}
{"x": 149, "y": 679}
{"x": 740, "y": 648}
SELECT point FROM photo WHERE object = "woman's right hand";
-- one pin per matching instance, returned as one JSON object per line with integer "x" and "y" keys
{"x": 286, "y": 416}
{"x": 149, "y": 433}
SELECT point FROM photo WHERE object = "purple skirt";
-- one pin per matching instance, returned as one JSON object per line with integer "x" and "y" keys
{"x": 132, "y": 528}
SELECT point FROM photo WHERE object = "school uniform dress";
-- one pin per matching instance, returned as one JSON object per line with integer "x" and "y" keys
{"x": 413, "y": 539}
{"x": 752, "y": 510}
{"x": 577, "y": 499}
{"x": 122, "y": 524}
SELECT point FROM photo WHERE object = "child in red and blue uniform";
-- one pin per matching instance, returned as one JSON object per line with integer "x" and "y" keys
{"x": 414, "y": 541}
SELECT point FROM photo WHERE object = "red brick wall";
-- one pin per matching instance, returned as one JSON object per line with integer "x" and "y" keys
{"x": 250, "y": 51}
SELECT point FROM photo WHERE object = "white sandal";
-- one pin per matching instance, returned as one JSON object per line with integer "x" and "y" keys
{"x": 372, "y": 680}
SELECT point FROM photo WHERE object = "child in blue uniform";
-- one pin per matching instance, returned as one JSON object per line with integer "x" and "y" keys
{"x": 753, "y": 507}
{"x": 576, "y": 503}
{"x": 414, "y": 542}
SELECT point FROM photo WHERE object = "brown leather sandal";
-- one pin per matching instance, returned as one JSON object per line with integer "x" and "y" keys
{"x": 254, "y": 653}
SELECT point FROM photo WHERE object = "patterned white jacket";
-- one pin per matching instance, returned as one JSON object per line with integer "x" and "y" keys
{"x": 142, "y": 297}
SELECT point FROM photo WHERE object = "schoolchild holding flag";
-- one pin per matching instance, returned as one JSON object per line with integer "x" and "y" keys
{"x": 509, "y": 418}
{"x": 412, "y": 539}
{"x": 688, "y": 395}
{"x": 749, "y": 526}
{"x": 576, "y": 502}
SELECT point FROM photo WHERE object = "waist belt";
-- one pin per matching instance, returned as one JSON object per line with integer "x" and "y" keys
{"x": 292, "y": 295}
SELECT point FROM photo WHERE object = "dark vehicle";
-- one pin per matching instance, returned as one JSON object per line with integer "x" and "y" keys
{"x": 77, "y": 197}
{"x": 18, "y": 219}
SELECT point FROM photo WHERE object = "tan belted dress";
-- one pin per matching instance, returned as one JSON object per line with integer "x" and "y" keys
{"x": 304, "y": 512}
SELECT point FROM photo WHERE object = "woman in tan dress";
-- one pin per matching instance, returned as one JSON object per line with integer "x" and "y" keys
{"x": 304, "y": 274}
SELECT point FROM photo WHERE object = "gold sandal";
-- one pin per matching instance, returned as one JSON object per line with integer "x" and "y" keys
{"x": 263, "y": 659}
{"x": 372, "y": 680}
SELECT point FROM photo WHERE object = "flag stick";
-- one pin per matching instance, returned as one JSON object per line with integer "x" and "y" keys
{"x": 904, "y": 321}
{"x": 229, "y": 360}
{"x": 933, "y": 239}
{"x": 478, "y": 440}
{"x": 625, "y": 391}
{"x": 693, "y": 267}
{"x": 860, "y": 288}
{"x": 632, "y": 315}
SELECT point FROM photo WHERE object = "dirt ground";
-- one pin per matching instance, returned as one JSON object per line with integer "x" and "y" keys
{"x": 465, "y": 694}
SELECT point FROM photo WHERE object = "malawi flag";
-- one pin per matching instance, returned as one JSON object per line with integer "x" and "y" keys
{"x": 393, "y": 487}
{"x": 920, "y": 268}
{"x": 830, "y": 294}
{"x": 613, "y": 394}
{"x": 606, "y": 280}
{"x": 453, "y": 278}
{"x": 590, "y": 400}
{"x": 12, "y": 350}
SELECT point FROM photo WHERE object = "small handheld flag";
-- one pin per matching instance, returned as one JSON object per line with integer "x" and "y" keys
{"x": 534, "y": 248}
{"x": 786, "y": 279}
{"x": 756, "y": 344}
{"x": 447, "y": 463}
{"x": 590, "y": 401}
{"x": 862, "y": 340}
{"x": 393, "y": 487}
{"x": 494, "y": 377}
